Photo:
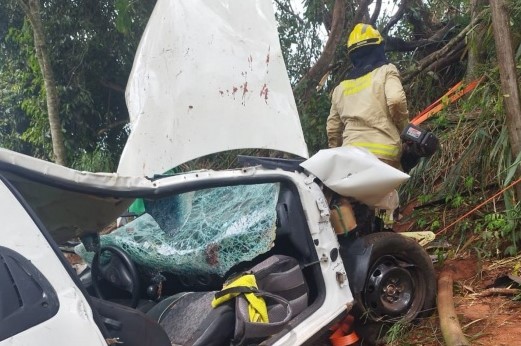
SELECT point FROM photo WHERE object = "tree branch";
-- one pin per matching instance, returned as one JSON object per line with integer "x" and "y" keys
{"x": 313, "y": 76}
{"x": 361, "y": 11}
{"x": 451, "y": 58}
{"x": 395, "y": 44}
{"x": 394, "y": 19}
{"x": 419, "y": 16}
{"x": 376, "y": 12}
{"x": 25, "y": 7}
{"x": 290, "y": 11}
{"x": 111, "y": 126}
{"x": 430, "y": 59}
{"x": 500, "y": 291}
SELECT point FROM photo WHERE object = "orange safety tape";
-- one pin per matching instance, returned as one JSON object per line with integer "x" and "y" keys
{"x": 343, "y": 334}
{"x": 453, "y": 95}
{"x": 479, "y": 206}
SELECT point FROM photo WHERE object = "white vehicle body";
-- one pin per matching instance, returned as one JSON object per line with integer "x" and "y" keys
{"x": 74, "y": 319}
{"x": 208, "y": 77}
{"x": 22, "y": 234}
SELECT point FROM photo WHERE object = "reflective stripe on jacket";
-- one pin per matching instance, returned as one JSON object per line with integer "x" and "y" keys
{"x": 369, "y": 112}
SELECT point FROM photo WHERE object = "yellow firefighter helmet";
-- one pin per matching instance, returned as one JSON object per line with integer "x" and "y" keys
{"x": 363, "y": 35}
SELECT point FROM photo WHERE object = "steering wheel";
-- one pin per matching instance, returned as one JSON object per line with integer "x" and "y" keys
{"x": 119, "y": 270}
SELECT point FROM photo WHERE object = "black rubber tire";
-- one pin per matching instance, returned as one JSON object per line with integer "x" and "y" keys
{"x": 402, "y": 259}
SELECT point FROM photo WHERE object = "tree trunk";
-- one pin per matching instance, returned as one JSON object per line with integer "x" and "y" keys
{"x": 475, "y": 41}
{"x": 31, "y": 9}
{"x": 507, "y": 70}
{"x": 308, "y": 83}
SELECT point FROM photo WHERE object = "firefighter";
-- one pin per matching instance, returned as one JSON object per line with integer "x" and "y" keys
{"x": 369, "y": 108}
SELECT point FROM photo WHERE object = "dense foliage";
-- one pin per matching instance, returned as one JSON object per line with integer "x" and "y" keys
{"x": 92, "y": 46}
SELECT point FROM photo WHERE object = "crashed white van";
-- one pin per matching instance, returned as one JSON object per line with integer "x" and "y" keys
{"x": 208, "y": 77}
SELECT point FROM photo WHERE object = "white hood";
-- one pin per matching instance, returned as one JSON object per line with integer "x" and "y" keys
{"x": 208, "y": 77}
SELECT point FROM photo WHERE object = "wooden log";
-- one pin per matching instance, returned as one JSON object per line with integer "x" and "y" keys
{"x": 499, "y": 291}
{"x": 450, "y": 327}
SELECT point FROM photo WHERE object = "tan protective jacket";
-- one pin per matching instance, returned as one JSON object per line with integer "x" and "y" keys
{"x": 370, "y": 112}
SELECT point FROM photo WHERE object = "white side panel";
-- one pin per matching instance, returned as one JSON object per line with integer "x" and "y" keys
{"x": 355, "y": 172}
{"x": 338, "y": 297}
{"x": 208, "y": 76}
{"x": 69, "y": 213}
{"x": 73, "y": 324}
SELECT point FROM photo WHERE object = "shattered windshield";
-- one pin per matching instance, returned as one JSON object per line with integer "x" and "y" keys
{"x": 205, "y": 231}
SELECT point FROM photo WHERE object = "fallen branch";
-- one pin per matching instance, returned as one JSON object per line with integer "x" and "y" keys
{"x": 447, "y": 49}
{"x": 449, "y": 324}
{"x": 499, "y": 291}
{"x": 397, "y": 44}
{"x": 504, "y": 262}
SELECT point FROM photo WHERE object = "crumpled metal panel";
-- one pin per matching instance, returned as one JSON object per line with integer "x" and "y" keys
{"x": 355, "y": 172}
{"x": 70, "y": 203}
{"x": 208, "y": 77}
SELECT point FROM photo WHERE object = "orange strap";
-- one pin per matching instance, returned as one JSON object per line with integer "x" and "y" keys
{"x": 343, "y": 334}
{"x": 478, "y": 206}
{"x": 453, "y": 95}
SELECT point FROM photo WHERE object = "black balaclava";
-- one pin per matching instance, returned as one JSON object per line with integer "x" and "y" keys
{"x": 366, "y": 59}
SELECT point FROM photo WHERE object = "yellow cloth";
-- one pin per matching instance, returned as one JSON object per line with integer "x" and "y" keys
{"x": 257, "y": 310}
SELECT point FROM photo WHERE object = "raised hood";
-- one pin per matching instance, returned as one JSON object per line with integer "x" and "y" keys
{"x": 208, "y": 77}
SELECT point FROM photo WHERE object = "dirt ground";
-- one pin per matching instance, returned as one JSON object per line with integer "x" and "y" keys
{"x": 485, "y": 320}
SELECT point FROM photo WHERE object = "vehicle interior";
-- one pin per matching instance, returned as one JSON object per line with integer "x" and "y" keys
{"x": 151, "y": 280}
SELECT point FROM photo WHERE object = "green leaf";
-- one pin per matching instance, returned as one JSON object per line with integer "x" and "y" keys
{"x": 512, "y": 170}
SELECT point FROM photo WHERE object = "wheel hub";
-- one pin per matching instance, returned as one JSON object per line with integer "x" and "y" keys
{"x": 389, "y": 289}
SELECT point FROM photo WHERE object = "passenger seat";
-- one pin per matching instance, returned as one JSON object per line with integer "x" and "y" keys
{"x": 189, "y": 319}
